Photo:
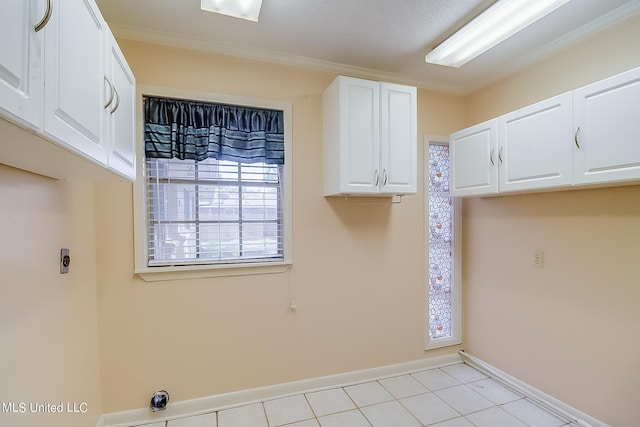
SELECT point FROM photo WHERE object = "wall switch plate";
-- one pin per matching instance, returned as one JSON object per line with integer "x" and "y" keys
{"x": 538, "y": 259}
{"x": 65, "y": 260}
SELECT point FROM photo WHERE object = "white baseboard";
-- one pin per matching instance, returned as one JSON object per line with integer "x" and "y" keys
{"x": 544, "y": 400}
{"x": 221, "y": 401}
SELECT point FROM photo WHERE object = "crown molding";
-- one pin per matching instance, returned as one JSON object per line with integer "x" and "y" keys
{"x": 263, "y": 55}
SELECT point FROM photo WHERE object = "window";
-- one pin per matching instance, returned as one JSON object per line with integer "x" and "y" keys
{"x": 443, "y": 224}
{"x": 213, "y": 212}
{"x": 212, "y": 196}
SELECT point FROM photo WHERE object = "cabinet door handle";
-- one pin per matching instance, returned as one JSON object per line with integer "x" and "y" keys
{"x": 575, "y": 137}
{"x": 493, "y": 150}
{"x": 500, "y": 154}
{"x": 45, "y": 19}
{"x": 111, "y": 91}
{"x": 376, "y": 178}
{"x": 384, "y": 177}
{"x": 115, "y": 107}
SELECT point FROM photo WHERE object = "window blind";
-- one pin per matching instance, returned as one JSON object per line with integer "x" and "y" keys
{"x": 213, "y": 211}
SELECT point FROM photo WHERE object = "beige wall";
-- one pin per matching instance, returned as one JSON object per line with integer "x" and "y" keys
{"x": 48, "y": 321}
{"x": 357, "y": 273}
{"x": 572, "y": 329}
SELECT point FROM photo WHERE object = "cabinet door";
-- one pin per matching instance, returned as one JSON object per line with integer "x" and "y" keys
{"x": 607, "y": 136}
{"x": 535, "y": 145}
{"x": 398, "y": 139}
{"x": 120, "y": 123}
{"x": 21, "y": 60}
{"x": 474, "y": 167}
{"x": 359, "y": 136}
{"x": 74, "y": 54}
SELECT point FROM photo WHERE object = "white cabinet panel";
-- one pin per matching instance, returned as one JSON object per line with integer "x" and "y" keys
{"x": 398, "y": 136}
{"x": 474, "y": 160}
{"x": 74, "y": 72}
{"x": 607, "y": 120}
{"x": 21, "y": 60}
{"x": 361, "y": 118}
{"x": 120, "y": 112}
{"x": 535, "y": 145}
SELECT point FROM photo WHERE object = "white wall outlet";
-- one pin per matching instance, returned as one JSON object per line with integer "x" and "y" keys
{"x": 65, "y": 260}
{"x": 538, "y": 259}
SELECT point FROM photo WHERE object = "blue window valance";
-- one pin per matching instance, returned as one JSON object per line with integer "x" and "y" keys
{"x": 194, "y": 130}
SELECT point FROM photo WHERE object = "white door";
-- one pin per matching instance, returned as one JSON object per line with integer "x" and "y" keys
{"x": 607, "y": 136}
{"x": 21, "y": 60}
{"x": 74, "y": 97}
{"x": 398, "y": 139}
{"x": 359, "y": 136}
{"x": 535, "y": 145}
{"x": 474, "y": 167}
{"x": 120, "y": 113}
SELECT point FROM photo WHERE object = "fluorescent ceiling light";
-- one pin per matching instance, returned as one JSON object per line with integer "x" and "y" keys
{"x": 499, "y": 22}
{"x": 245, "y": 9}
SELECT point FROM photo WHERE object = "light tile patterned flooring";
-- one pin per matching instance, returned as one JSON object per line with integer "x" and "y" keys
{"x": 453, "y": 396}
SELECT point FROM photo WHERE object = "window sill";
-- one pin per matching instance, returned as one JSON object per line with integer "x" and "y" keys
{"x": 158, "y": 274}
{"x": 442, "y": 342}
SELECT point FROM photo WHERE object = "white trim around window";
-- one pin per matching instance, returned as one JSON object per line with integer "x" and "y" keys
{"x": 162, "y": 273}
{"x": 456, "y": 281}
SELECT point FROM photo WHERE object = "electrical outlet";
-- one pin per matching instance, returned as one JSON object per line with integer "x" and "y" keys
{"x": 65, "y": 260}
{"x": 538, "y": 259}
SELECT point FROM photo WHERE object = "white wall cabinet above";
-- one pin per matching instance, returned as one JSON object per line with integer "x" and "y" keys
{"x": 57, "y": 80}
{"x": 590, "y": 136}
{"x": 534, "y": 146}
{"x": 119, "y": 112}
{"x": 473, "y": 158}
{"x": 73, "y": 73}
{"x": 370, "y": 138}
{"x": 21, "y": 60}
{"x": 607, "y": 123}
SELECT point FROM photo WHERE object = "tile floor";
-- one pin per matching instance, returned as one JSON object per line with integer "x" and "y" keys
{"x": 453, "y": 396}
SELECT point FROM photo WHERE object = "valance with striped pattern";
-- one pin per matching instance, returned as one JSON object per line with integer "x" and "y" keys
{"x": 197, "y": 130}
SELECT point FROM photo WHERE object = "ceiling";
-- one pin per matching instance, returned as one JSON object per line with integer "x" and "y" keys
{"x": 368, "y": 38}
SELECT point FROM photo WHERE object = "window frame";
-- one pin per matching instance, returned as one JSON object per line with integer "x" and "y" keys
{"x": 161, "y": 273}
{"x": 456, "y": 271}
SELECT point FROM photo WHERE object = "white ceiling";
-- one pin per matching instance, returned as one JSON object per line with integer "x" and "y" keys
{"x": 369, "y": 38}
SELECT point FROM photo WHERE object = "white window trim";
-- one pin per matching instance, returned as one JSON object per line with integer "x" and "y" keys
{"x": 456, "y": 290}
{"x": 152, "y": 274}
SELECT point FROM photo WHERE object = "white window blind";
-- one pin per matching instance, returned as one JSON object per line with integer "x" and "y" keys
{"x": 213, "y": 212}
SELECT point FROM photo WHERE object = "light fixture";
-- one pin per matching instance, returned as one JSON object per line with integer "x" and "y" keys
{"x": 499, "y": 22}
{"x": 245, "y": 9}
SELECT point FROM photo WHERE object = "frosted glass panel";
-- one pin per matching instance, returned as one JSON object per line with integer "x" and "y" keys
{"x": 440, "y": 243}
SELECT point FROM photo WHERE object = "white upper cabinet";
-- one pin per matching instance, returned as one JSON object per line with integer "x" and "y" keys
{"x": 370, "y": 134}
{"x": 590, "y": 136}
{"x": 74, "y": 53}
{"x": 119, "y": 109}
{"x": 21, "y": 59}
{"x": 524, "y": 150}
{"x": 63, "y": 75}
{"x": 607, "y": 136}
{"x": 534, "y": 146}
{"x": 474, "y": 167}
